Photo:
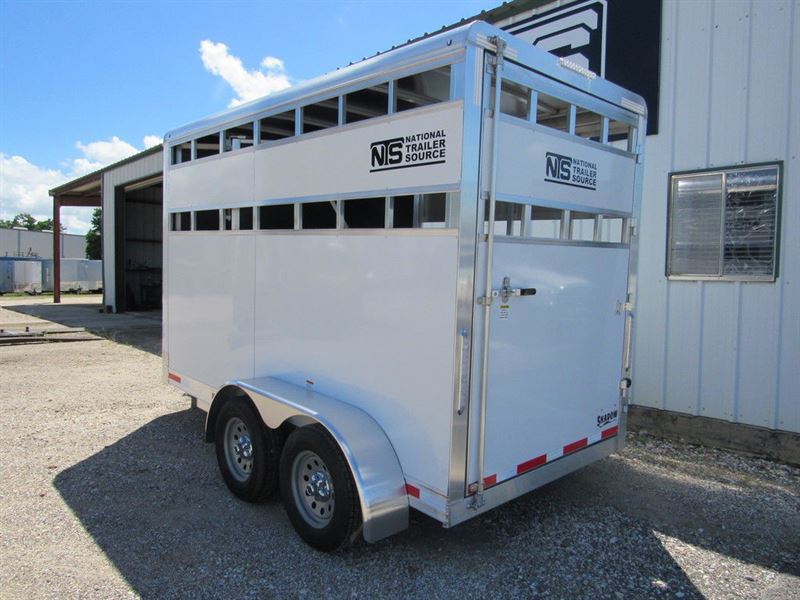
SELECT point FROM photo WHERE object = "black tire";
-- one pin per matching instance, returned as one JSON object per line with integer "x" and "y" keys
{"x": 257, "y": 479}
{"x": 336, "y": 529}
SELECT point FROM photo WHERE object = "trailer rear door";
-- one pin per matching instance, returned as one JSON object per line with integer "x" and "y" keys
{"x": 556, "y": 336}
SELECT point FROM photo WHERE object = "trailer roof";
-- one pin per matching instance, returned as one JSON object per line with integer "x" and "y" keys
{"x": 447, "y": 43}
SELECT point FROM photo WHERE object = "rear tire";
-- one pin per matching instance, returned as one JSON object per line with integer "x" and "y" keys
{"x": 318, "y": 489}
{"x": 247, "y": 451}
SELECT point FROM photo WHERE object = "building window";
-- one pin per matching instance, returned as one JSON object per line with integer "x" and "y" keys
{"x": 723, "y": 224}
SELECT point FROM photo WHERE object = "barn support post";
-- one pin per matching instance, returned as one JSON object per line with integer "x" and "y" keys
{"x": 56, "y": 249}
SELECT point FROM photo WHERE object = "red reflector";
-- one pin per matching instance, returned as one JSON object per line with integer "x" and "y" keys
{"x": 610, "y": 432}
{"x": 412, "y": 491}
{"x": 575, "y": 446}
{"x": 489, "y": 481}
{"x": 530, "y": 465}
{"x": 174, "y": 377}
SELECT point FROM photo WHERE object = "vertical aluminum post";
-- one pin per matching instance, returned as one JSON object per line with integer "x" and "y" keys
{"x": 487, "y": 292}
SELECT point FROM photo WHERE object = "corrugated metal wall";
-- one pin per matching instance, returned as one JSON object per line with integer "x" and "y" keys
{"x": 15, "y": 242}
{"x": 147, "y": 166}
{"x": 730, "y": 94}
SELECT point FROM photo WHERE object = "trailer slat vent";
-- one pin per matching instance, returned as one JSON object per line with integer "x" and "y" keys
{"x": 277, "y": 127}
{"x": 246, "y": 218}
{"x": 319, "y": 215}
{"x": 320, "y": 115}
{"x": 365, "y": 213}
{"x": 552, "y": 112}
{"x": 278, "y": 216}
{"x": 238, "y": 137}
{"x": 423, "y": 89}
{"x": 367, "y": 103}
{"x": 208, "y": 145}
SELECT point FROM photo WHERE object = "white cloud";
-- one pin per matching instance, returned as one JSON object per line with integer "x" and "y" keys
{"x": 101, "y": 153}
{"x": 24, "y": 186}
{"x": 152, "y": 140}
{"x": 248, "y": 84}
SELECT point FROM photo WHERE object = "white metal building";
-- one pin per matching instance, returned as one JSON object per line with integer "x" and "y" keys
{"x": 132, "y": 230}
{"x": 39, "y": 244}
{"x": 725, "y": 347}
{"x": 130, "y": 193}
{"x": 718, "y": 314}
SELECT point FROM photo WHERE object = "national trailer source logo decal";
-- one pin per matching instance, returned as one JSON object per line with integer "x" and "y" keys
{"x": 568, "y": 170}
{"x": 416, "y": 150}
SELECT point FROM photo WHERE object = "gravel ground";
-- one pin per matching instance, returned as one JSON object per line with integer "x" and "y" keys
{"x": 107, "y": 490}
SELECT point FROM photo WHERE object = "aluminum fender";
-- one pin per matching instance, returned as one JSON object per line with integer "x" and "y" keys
{"x": 372, "y": 459}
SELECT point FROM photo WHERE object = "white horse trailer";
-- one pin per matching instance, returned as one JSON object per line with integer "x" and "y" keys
{"x": 387, "y": 294}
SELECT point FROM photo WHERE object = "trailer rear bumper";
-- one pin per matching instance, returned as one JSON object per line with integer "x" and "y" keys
{"x": 373, "y": 462}
{"x": 466, "y": 508}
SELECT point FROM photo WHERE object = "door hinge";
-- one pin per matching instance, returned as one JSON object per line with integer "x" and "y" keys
{"x": 624, "y": 391}
{"x": 623, "y": 307}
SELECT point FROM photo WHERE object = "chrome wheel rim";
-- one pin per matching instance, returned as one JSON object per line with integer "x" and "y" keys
{"x": 312, "y": 488}
{"x": 238, "y": 449}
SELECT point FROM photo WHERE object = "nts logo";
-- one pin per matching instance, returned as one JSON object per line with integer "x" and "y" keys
{"x": 568, "y": 170}
{"x": 415, "y": 150}
{"x": 387, "y": 152}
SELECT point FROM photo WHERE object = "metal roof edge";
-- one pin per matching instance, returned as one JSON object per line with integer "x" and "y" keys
{"x": 84, "y": 179}
{"x": 453, "y": 39}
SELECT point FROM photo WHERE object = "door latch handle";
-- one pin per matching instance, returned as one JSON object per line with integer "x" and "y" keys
{"x": 505, "y": 292}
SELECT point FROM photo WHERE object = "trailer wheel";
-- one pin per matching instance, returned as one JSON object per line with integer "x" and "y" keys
{"x": 247, "y": 451}
{"x": 318, "y": 490}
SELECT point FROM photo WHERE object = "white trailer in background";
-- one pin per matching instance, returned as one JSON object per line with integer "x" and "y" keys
{"x": 18, "y": 274}
{"x": 77, "y": 275}
{"x": 387, "y": 294}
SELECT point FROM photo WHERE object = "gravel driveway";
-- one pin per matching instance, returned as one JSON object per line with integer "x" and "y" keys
{"x": 107, "y": 490}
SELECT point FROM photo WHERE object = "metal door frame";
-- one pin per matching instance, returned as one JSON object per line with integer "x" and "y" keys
{"x": 476, "y": 86}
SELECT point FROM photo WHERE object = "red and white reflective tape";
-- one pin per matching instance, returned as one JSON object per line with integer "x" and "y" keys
{"x": 412, "y": 490}
{"x": 543, "y": 459}
{"x": 175, "y": 377}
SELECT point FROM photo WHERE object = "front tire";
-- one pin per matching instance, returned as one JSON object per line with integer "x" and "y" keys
{"x": 318, "y": 489}
{"x": 247, "y": 451}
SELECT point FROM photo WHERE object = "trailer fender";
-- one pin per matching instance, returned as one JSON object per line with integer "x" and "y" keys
{"x": 369, "y": 453}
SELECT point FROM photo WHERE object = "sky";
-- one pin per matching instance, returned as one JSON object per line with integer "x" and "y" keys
{"x": 84, "y": 84}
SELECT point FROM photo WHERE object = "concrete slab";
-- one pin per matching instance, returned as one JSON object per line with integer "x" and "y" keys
{"x": 139, "y": 329}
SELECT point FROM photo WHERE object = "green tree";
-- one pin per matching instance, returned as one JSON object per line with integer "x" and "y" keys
{"x": 28, "y": 222}
{"x": 94, "y": 237}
